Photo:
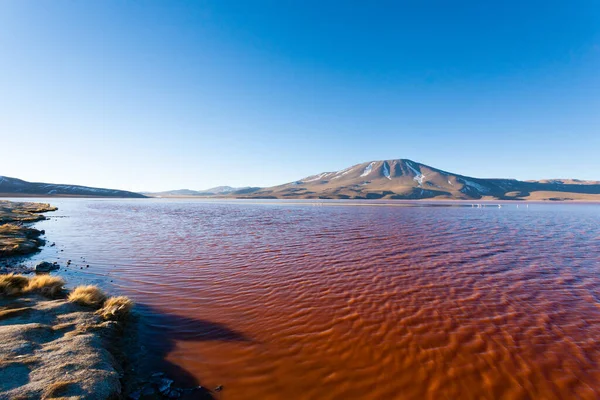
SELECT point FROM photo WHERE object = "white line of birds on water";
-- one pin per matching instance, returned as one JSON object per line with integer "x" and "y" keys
{"x": 491, "y": 205}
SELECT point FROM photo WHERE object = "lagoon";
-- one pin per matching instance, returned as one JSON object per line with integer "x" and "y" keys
{"x": 329, "y": 300}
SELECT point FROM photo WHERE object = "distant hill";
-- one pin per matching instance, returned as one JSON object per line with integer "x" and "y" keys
{"x": 18, "y": 187}
{"x": 216, "y": 191}
{"x": 407, "y": 179}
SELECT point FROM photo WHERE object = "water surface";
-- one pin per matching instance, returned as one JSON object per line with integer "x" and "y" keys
{"x": 283, "y": 300}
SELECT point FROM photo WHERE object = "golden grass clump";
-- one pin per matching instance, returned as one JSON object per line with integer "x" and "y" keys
{"x": 10, "y": 228}
{"x": 46, "y": 285}
{"x": 12, "y": 285}
{"x": 90, "y": 296}
{"x": 6, "y": 313}
{"x": 57, "y": 389}
{"x": 116, "y": 308}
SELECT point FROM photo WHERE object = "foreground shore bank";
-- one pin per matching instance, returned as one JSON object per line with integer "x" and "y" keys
{"x": 58, "y": 344}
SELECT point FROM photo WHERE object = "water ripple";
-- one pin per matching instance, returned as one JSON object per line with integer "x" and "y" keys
{"x": 357, "y": 302}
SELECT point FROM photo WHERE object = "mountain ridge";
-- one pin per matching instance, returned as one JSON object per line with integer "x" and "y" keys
{"x": 215, "y": 191}
{"x": 14, "y": 186}
{"x": 408, "y": 179}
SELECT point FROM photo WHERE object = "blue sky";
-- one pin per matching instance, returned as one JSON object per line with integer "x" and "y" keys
{"x": 156, "y": 95}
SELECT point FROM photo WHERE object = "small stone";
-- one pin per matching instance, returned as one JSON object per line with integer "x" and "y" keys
{"x": 45, "y": 266}
{"x": 148, "y": 391}
{"x": 135, "y": 395}
{"x": 174, "y": 394}
{"x": 219, "y": 388}
{"x": 164, "y": 385}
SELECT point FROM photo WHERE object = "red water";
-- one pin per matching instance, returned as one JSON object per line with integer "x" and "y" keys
{"x": 355, "y": 302}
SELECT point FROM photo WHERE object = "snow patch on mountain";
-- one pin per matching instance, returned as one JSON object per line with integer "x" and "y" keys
{"x": 343, "y": 172}
{"x": 386, "y": 170}
{"x": 318, "y": 177}
{"x": 475, "y": 185}
{"x": 419, "y": 177}
{"x": 368, "y": 169}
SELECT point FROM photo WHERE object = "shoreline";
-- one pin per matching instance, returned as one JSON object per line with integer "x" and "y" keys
{"x": 330, "y": 202}
{"x": 433, "y": 200}
{"x": 56, "y": 342}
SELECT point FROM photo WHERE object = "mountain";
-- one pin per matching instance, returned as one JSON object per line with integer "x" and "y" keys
{"x": 407, "y": 179}
{"x": 13, "y": 186}
{"x": 225, "y": 189}
{"x": 216, "y": 191}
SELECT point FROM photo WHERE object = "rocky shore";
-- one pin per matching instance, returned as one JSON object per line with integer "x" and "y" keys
{"x": 16, "y": 237}
{"x": 78, "y": 344}
{"x": 51, "y": 347}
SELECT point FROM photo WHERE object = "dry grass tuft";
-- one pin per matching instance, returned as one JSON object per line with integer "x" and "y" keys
{"x": 116, "y": 308}
{"x": 23, "y": 360}
{"x": 56, "y": 389}
{"x": 12, "y": 285}
{"x": 6, "y": 313}
{"x": 49, "y": 286}
{"x": 90, "y": 296}
{"x": 85, "y": 328}
{"x": 62, "y": 327}
{"x": 10, "y": 228}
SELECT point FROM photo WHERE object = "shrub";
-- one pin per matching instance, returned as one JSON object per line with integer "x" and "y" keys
{"x": 49, "y": 286}
{"x": 116, "y": 308}
{"x": 12, "y": 285}
{"x": 90, "y": 296}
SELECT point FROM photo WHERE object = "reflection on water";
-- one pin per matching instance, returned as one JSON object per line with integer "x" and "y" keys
{"x": 295, "y": 301}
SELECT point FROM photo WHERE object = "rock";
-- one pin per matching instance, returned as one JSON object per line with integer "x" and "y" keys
{"x": 219, "y": 388}
{"x": 135, "y": 395}
{"x": 148, "y": 391}
{"x": 45, "y": 266}
{"x": 165, "y": 385}
{"x": 174, "y": 394}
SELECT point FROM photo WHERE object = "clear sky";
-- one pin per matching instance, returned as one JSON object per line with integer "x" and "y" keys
{"x": 156, "y": 95}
